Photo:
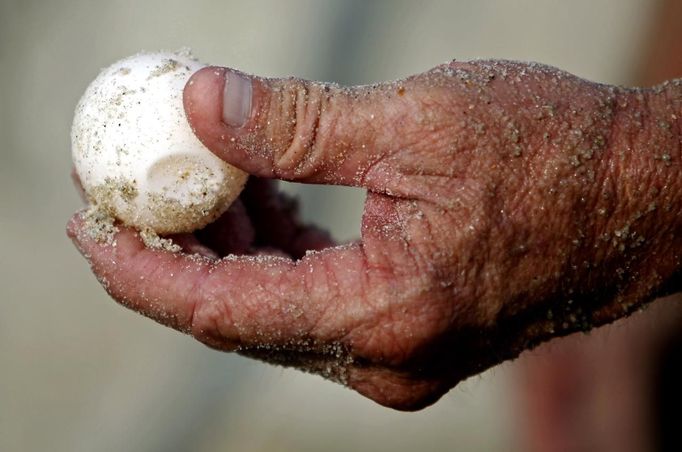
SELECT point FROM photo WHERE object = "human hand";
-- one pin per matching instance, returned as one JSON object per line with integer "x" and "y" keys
{"x": 507, "y": 204}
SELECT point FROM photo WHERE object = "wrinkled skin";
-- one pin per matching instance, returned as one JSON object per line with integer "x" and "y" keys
{"x": 507, "y": 204}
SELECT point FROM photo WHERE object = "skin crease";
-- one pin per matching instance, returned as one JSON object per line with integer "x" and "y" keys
{"x": 507, "y": 204}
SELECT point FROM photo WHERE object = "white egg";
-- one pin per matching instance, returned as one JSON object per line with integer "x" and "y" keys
{"x": 136, "y": 155}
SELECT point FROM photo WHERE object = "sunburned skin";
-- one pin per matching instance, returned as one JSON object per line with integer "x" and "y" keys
{"x": 507, "y": 204}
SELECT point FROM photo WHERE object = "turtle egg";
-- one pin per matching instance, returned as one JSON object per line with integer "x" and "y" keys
{"x": 136, "y": 155}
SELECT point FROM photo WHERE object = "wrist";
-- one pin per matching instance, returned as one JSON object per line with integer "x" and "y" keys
{"x": 641, "y": 236}
{"x": 635, "y": 251}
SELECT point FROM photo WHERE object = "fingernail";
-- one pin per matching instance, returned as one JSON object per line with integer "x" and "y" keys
{"x": 236, "y": 99}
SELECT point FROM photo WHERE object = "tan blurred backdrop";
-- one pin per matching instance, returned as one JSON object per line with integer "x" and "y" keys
{"x": 80, "y": 373}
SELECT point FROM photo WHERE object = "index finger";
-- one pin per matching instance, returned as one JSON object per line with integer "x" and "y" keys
{"x": 236, "y": 301}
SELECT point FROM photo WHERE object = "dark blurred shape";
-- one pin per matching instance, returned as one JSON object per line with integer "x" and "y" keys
{"x": 662, "y": 59}
{"x": 668, "y": 394}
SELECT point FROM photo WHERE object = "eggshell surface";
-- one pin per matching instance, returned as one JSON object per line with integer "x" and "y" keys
{"x": 136, "y": 155}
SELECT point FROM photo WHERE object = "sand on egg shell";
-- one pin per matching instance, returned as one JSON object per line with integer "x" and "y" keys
{"x": 136, "y": 156}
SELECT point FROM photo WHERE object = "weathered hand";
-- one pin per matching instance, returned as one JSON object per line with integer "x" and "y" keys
{"x": 507, "y": 204}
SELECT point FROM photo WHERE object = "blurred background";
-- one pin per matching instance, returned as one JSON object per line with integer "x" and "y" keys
{"x": 80, "y": 373}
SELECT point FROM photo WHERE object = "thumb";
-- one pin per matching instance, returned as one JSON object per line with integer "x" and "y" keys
{"x": 306, "y": 131}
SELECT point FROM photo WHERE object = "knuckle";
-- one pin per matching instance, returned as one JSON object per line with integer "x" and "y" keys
{"x": 301, "y": 138}
{"x": 401, "y": 332}
{"x": 210, "y": 318}
{"x": 398, "y": 390}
